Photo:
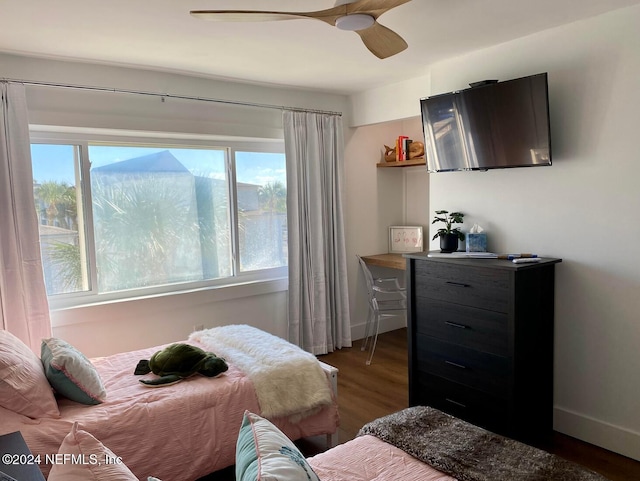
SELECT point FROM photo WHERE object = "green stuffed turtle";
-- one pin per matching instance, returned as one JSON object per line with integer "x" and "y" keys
{"x": 177, "y": 362}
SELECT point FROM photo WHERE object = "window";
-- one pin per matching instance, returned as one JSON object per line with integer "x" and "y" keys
{"x": 156, "y": 218}
{"x": 58, "y": 198}
{"x": 262, "y": 210}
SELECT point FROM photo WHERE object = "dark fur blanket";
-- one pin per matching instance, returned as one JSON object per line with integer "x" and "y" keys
{"x": 470, "y": 453}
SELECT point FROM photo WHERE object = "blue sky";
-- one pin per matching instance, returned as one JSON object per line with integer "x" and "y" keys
{"x": 52, "y": 162}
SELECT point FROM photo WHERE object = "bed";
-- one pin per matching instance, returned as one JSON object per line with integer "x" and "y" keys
{"x": 426, "y": 444}
{"x": 187, "y": 430}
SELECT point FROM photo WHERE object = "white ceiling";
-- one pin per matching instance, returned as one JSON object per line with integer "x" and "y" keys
{"x": 161, "y": 35}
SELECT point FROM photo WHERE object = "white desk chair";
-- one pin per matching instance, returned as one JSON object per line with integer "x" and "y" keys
{"x": 385, "y": 296}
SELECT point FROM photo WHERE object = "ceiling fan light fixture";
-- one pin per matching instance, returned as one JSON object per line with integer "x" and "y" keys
{"x": 355, "y": 22}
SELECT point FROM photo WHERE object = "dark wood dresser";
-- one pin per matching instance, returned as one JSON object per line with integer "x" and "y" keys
{"x": 481, "y": 341}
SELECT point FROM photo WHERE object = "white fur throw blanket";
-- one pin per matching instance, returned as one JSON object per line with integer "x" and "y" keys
{"x": 288, "y": 380}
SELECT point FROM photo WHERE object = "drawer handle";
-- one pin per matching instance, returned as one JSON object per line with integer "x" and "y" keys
{"x": 455, "y": 364}
{"x": 457, "y": 284}
{"x": 455, "y": 324}
{"x": 456, "y": 403}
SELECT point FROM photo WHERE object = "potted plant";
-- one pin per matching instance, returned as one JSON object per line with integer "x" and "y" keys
{"x": 449, "y": 235}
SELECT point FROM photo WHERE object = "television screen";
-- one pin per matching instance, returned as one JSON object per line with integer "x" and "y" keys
{"x": 490, "y": 126}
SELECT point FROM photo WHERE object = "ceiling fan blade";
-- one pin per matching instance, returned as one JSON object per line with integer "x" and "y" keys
{"x": 328, "y": 16}
{"x": 375, "y": 8}
{"x": 381, "y": 41}
{"x": 242, "y": 15}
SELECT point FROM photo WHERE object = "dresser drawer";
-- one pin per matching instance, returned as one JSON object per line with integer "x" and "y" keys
{"x": 475, "y": 406}
{"x": 468, "y": 326}
{"x": 480, "y": 287}
{"x": 477, "y": 369}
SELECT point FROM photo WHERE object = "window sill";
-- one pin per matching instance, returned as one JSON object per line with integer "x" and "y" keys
{"x": 218, "y": 293}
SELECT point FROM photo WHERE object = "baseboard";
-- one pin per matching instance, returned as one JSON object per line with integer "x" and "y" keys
{"x": 608, "y": 436}
{"x": 386, "y": 325}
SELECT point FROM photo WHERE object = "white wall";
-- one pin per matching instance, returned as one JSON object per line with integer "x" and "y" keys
{"x": 376, "y": 199}
{"x": 106, "y": 328}
{"x": 583, "y": 209}
{"x": 103, "y": 329}
{"x": 390, "y": 102}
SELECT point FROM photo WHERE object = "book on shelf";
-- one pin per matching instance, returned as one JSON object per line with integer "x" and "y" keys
{"x": 402, "y": 152}
{"x": 406, "y": 142}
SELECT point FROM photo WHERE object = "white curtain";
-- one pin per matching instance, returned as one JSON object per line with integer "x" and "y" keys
{"x": 24, "y": 310}
{"x": 318, "y": 295}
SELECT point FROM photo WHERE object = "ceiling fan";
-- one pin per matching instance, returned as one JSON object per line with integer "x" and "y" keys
{"x": 359, "y": 16}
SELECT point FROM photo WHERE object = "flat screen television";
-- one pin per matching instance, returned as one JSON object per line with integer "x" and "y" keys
{"x": 492, "y": 125}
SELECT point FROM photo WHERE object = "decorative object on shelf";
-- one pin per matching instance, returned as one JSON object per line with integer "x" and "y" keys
{"x": 412, "y": 150}
{"x": 449, "y": 236}
{"x": 403, "y": 239}
{"x": 476, "y": 239}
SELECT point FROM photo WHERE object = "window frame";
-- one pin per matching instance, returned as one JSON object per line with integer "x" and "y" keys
{"x": 83, "y": 137}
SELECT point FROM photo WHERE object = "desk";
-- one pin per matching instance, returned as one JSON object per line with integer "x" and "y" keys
{"x": 394, "y": 261}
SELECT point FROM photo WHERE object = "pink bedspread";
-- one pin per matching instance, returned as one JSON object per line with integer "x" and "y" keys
{"x": 176, "y": 433}
{"x": 367, "y": 458}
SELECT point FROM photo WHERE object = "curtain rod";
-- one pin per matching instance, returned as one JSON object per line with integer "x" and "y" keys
{"x": 167, "y": 95}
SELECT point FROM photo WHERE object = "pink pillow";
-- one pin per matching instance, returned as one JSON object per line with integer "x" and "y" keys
{"x": 87, "y": 460}
{"x": 24, "y": 388}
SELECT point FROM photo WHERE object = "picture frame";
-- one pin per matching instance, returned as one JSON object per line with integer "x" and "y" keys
{"x": 405, "y": 239}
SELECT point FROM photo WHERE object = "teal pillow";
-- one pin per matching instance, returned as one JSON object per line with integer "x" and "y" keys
{"x": 264, "y": 453}
{"x": 70, "y": 373}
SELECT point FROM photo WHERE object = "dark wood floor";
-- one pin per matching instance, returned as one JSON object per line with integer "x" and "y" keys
{"x": 368, "y": 392}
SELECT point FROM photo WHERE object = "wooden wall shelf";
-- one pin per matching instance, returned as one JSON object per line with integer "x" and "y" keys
{"x": 403, "y": 163}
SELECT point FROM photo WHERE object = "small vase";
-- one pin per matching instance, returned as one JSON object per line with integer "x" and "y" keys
{"x": 448, "y": 243}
